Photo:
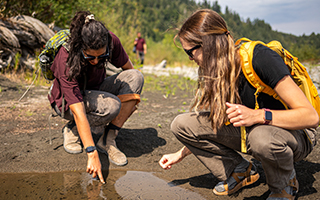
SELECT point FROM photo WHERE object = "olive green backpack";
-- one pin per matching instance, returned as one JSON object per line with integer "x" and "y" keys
{"x": 48, "y": 54}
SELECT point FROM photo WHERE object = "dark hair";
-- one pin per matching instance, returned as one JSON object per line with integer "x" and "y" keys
{"x": 85, "y": 33}
{"x": 219, "y": 73}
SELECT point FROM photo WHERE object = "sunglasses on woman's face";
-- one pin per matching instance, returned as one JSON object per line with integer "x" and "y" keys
{"x": 89, "y": 57}
{"x": 189, "y": 52}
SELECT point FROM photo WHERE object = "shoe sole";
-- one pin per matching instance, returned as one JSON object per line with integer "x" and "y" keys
{"x": 247, "y": 181}
{"x": 72, "y": 151}
{"x": 105, "y": 152}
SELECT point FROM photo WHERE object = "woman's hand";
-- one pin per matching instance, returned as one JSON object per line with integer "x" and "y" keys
{"x": 168, "y": 160}
{"x": 83, "y": 126}
{"x": 94, "y": 165}
{"x": 240, "y": 115}
{"x": 291, "y": 119}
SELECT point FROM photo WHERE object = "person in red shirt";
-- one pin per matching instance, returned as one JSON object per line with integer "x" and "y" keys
{"x": 82, "y": 94}
{"x": 141, "y": 47}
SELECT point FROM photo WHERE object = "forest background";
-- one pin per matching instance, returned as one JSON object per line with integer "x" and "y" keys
{"x": 158, "y": 21}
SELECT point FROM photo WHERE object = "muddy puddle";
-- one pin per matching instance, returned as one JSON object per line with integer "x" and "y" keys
{"x": 80, "y": 185}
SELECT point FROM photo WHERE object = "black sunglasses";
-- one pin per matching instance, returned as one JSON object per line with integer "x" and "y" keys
{"x": 89, "y": 58}
{"x": 189, "y": 52}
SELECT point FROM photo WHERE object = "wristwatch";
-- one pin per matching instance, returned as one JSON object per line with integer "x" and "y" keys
{"x": 90, "y": 149}
{"x": 267, "y": 116}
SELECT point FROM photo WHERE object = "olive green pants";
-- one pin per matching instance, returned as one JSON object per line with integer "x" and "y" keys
{"x": 277, "y": 149}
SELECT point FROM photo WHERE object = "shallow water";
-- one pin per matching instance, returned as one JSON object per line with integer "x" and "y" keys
{"x": 80, "y": 185}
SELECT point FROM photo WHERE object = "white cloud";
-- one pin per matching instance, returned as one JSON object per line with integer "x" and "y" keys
{"x": 290, "y": 16}
{"x": 300, "y": 28}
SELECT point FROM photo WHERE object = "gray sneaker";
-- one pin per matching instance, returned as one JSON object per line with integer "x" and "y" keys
{"x": 107, "y": 145}
{"x": 71, "y": 138}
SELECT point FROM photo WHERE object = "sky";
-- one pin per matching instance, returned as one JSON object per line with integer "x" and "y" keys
{"x": 296, "y": 17}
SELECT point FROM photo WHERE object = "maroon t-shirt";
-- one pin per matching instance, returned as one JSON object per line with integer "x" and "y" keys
{"x": 95, "y": 76}
{"x": 140, "y": 44}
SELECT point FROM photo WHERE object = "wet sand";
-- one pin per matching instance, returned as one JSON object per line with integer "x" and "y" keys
{"x": 80, "y": 185}
{"x": 32, "y": 167}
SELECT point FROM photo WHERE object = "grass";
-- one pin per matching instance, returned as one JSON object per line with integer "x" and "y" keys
{"x": 29, "y": 113}
{"x": 27, "y": 76}
{"x": 21, "y": 74}
{"x": 168, "y": 85}
{"x": 37, "y": 76}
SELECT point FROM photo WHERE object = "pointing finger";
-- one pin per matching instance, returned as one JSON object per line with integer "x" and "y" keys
{"x": 101, "y": 177}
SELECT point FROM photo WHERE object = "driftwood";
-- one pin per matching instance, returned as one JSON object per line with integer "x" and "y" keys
{"x": 30, "y": 31}
{"x": 22, "y": 34}
{"x": 9, "y": 45}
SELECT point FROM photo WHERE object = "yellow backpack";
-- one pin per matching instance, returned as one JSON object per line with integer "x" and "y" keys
{"x": 298, "y": 73}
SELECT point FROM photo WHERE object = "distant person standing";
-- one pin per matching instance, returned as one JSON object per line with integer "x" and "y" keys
{"x": 141, "y": 47}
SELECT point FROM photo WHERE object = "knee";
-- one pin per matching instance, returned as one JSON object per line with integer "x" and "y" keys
{"x": 108, "y": 106}
{"x": 115, "y": 108}
{"x": 135, "y": 80}
{"x": 135, "y": 75}
{"x": 259, "y": 141}
{"x": 179, "y": 125}
{"x": 138, "y": 78}
{"x": 268, "y": 142}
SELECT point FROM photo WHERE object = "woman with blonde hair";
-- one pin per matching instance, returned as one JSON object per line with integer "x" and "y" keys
{"x": 225, "y": 101}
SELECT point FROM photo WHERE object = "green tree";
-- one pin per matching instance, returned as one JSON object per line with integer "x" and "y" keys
{"x": 154, "y": 18}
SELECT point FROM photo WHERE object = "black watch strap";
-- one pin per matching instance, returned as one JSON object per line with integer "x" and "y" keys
{"x": 267, "y": 116}
{"x": 90, "y": 149}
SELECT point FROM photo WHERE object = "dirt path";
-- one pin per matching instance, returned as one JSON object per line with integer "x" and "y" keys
{"x": 25, "y": 143}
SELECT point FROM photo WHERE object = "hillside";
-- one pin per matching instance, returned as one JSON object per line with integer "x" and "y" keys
{"x": 157, "y": 20}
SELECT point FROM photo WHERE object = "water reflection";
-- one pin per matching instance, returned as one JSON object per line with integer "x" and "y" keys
{"x": 144, "y": 185}
{"x": 60, "y": 185}
{"x": 80, "y": 185}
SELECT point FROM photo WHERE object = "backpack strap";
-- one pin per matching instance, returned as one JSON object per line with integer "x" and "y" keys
{"x": 246, "y": 54}
{"x": 246, "y": 48}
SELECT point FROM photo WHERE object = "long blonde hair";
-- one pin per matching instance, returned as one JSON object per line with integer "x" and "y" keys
{"x": 220, "y": 69}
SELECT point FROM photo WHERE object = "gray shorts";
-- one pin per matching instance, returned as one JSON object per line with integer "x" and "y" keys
{"x": 103, "y": 105}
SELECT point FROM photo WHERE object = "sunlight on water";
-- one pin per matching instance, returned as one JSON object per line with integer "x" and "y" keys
{"x": 144, "y": 185}
{"x": 80, "y": 185}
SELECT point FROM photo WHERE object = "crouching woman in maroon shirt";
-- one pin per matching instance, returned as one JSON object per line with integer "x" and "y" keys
{"x": 82, "y": 94}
